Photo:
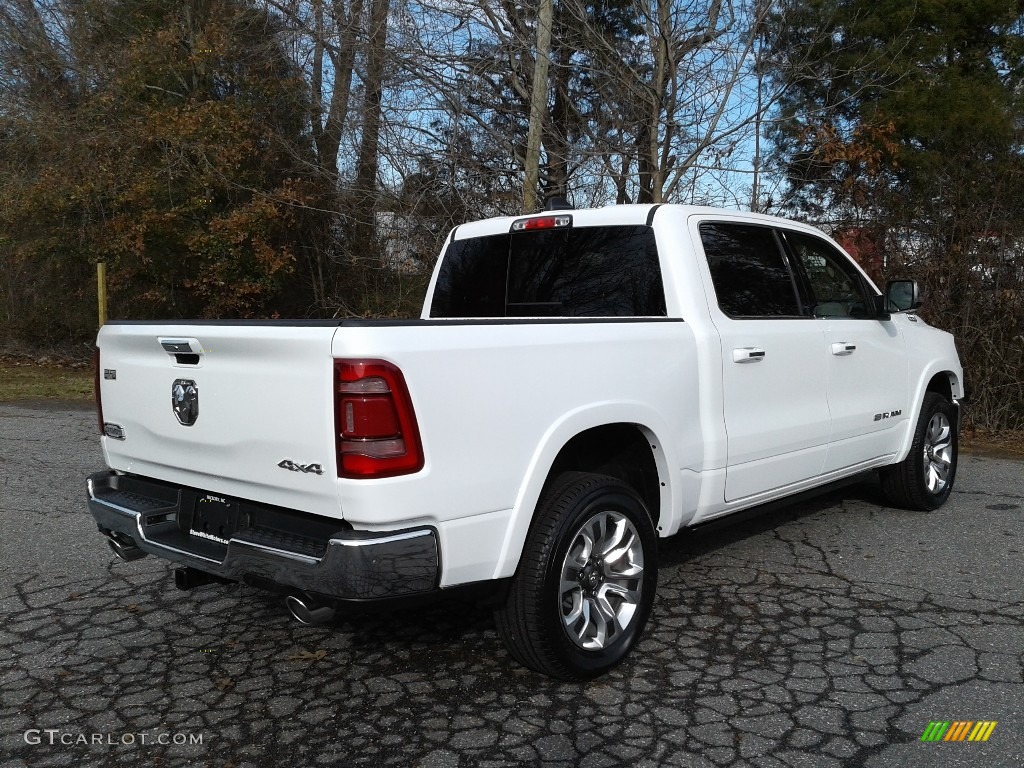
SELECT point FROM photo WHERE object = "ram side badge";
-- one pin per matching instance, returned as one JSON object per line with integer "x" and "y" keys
{"x": 185, "y": 401}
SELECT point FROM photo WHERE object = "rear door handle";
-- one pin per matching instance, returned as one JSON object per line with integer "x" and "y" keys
{"x": 748, "y": 355}
{"x": 843, "y": 348}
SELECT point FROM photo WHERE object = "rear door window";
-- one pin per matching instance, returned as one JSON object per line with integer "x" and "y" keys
{"x": 749, "y": 271}
{"x": 573, "y": 272}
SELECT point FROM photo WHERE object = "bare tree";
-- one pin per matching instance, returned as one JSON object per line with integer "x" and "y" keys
{"x": 538, "y": 105}
{"x": 642, "y": 107}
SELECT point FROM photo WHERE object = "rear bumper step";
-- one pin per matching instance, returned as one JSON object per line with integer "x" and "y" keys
{"x": 141, "y": 516}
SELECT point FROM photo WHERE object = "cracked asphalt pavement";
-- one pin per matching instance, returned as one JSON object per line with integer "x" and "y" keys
{"x": 829, "y": 631}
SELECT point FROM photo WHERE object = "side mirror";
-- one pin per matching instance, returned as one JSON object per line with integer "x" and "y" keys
{"x": 903, "y": 295}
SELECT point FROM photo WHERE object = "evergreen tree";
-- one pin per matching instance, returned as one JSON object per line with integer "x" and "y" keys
{"x": 905, "y": 121}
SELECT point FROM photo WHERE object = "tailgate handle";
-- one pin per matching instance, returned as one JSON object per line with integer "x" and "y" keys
{"x": 184, "y": 351}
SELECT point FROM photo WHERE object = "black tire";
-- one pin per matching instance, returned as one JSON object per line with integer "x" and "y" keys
{"x": 924, "y": 480}
{"x": 537, "y": 622}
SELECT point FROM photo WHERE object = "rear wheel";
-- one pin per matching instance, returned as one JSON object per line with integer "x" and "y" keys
{"x": 924, "y": 480}
{"x": 586, "y": 581}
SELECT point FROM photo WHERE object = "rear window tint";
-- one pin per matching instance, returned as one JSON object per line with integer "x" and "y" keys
{"x": 748, "y": 270}
{"x": 577, "y": 272}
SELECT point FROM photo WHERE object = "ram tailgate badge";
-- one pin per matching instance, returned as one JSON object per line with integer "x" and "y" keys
{"x": 185, "y": 401}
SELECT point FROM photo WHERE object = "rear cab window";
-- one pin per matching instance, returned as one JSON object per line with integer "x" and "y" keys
{"x": 605, "y": 271}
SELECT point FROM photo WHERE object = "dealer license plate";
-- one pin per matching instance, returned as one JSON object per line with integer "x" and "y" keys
{"x": 215, "y": 518}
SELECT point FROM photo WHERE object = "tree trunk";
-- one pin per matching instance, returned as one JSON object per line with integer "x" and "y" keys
{"x": 366, "y": 201}
{"x": 342, "y": 60}
{"x": 538, "y": 106}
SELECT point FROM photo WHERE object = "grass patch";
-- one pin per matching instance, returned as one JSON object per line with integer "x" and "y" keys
{"x": 1002, "y": 444}
{"x": 24, "y": 380}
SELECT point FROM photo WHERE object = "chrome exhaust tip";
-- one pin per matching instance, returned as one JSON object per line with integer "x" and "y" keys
{"x": 306, "y": 610}
{"x": 123, "y": 546}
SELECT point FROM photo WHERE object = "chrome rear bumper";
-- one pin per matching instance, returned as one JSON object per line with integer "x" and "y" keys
{"x": 290, "y": 549}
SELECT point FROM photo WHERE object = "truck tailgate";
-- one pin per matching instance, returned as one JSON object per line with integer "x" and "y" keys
{"x": 260, "y": 395}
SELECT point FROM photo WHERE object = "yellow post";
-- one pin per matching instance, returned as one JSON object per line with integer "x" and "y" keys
{"x": 101, "y": 290}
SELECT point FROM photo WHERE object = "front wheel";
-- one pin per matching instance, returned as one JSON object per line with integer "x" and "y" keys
{"x": 924, "y": 480}
{"x": 586, "y": 580}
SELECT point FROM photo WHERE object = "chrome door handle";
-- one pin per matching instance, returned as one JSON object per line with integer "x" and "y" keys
{"x": 748, "y": 355}
{"x": 843, "y": 348}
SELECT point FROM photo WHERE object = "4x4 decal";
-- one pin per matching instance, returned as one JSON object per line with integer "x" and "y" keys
{"x": 291, "y": 466}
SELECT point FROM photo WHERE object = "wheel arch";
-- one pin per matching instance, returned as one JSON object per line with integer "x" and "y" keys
{"x": 616, "y": 441}
{"x": 947, "y": 384}
{"x": 622, "y": 451}
{"x": 943, "y": 381}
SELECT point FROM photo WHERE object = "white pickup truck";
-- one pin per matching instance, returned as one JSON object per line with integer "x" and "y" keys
{"x": 580, "y": 383}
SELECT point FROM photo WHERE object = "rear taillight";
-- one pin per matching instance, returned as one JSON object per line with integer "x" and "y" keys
{"x": 374, "y": 422}
{"x": 96, "y": 387}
